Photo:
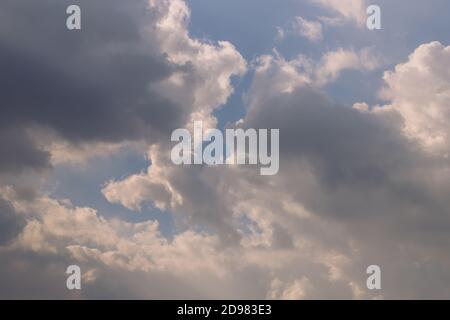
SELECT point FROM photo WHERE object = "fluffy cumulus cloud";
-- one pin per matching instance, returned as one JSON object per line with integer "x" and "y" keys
{"x": 358, "y": 185}
{"x": 425, "y": 111}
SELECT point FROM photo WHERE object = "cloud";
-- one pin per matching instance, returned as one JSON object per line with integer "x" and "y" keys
{"x": 355, "y": 188}
{"x": 425, "y": 111}
{"x": 276, "y": 74}
{"x": 312, "y": 30}
{"x": 350, "y": 10}
{"x": 133, "y": 77}
{"x": 19, "y": 152}
{"x": 207, "y": 84}
{"x": 10, "y": 223}
{"x": 333, "y": 63}
{"x": 58, "y": 234}
{"x": 295, "y": 291}
{"x": 94, "y": 85}
{"x": 111, "y": 82}
{"x": 360, "y": 170}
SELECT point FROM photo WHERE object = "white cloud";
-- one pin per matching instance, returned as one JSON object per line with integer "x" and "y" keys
{"x": 207, "y": 84}
{"x": 152, "y": 185}
{"x": 295, "y": 291}
{"x": 274, "y": 74}
{"x": 333, "y": 63}
{"x": 58, "y": 227}
{"x": 352, "y": 10}
{"x": 419, "y": 90}
{"x": 312, "y": 30}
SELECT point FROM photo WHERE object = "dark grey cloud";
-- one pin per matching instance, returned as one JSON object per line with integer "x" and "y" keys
{"x": 346, "y": 149}
{"x": 10, "y": 223}
{"x": 342, "y": 143}
{"x": 89, "y": 85}
{"x": 43, "y": 277}
{"x": 19, "y": 152}
{"x": 371, "y": 179}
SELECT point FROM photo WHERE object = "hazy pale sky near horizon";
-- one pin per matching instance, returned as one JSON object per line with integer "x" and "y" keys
{"x": 86, "y": 177}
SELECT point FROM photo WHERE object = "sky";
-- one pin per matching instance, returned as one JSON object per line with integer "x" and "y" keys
{"x": 86, "y": 176}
